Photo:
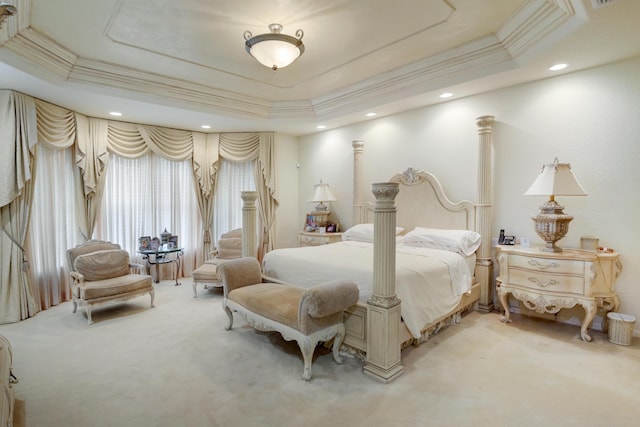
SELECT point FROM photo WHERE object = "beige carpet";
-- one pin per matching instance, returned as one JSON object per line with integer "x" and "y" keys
{"x": 175, "y": 365}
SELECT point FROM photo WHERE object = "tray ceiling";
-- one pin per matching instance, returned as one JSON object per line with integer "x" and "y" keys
{"x": 183, "y": 63}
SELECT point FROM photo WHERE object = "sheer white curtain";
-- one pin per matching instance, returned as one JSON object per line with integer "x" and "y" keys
{"x": 233, "y": 178}
{"x": 55, "y": 225}
{"x": 145, "y": 196}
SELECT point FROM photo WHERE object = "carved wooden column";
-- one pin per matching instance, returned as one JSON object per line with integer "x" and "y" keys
{"x": 383, "y": 308}
{"x": 358, "y": 148}
{"x": 484, "y": 265}
{"x": 249, "y": 234}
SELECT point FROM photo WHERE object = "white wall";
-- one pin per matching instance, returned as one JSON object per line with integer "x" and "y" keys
{"x": 590, "y": 119}
{"x": 288, "y": 222}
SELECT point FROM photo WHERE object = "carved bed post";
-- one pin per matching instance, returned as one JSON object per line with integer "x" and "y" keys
{"x": 358, "y": 148}
{"x": 383, "y": 308}
{"x": 249, "y": 236}
{"x": 484, "y": 265}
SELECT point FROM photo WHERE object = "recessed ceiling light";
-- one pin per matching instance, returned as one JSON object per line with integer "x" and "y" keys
{"x": 446, "y": 95}
{"x": 205, "y": 127}
{"x": 115, "y": 113}
{"x": 372, "y": 114}
{"x": 557, "y": 67}
{"x": 321, "y": 127}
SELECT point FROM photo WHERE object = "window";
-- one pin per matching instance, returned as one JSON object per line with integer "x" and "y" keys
{"x": 145, "y": 196}
{"x": 233, "y": 178}
{"x": 54, "y": 223}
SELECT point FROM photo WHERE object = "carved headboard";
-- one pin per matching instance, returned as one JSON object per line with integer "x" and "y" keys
{"x": 421, "y": 202}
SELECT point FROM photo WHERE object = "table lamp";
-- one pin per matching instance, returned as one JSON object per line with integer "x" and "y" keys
{"x": 322, "y": 193}
{"x": 552, "y": 224}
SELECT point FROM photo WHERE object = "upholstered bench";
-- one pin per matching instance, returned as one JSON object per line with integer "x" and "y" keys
{"x": 305, "y": 315}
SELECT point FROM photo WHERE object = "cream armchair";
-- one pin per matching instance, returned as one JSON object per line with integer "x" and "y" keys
{"x": 101, "y": 273}
{"x": 229, "y": 247}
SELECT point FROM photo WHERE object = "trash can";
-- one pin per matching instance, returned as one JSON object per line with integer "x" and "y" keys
{"x": 620, "y": 328}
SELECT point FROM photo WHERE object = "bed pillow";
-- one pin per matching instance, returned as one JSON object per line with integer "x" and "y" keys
{"x": 363, "y": 233}
{"x": 465, "y": 242}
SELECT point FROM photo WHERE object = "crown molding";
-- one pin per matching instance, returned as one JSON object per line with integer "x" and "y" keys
{"x": 38, "y": 48}
{"x": 526, "y": 30}
{"x": 535, "y": 21}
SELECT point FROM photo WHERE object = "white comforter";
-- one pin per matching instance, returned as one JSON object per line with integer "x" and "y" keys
{"x": 429, "y": 282}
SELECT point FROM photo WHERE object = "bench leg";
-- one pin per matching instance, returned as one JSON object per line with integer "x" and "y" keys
{"x": 195, "y": 294}
{"x": 307, "y": 347}
{"x": 229, "y": 316}
{"x": 337, "y": 342}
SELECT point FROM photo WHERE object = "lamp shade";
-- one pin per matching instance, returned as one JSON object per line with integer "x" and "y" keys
{"x": 322, "y": 193}
{"x": 556, "y": 179}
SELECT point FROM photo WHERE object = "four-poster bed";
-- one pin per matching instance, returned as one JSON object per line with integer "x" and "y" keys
{"x": 380, "y": 325}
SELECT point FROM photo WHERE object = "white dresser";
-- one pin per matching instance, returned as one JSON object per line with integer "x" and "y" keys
{"x": 7, "y": 381}
{"x": 310, "y": 238}
{"x": 548, "y": 282}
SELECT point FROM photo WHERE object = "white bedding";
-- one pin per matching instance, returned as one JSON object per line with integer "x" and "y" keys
{"x": 429, "y": 282}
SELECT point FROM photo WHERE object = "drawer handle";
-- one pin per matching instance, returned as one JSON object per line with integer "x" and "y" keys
{"x": 543, "y": 284}
{"x": 542, "y": 266}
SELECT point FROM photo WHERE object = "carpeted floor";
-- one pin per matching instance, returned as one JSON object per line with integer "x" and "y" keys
{"x": 175, "y": 365}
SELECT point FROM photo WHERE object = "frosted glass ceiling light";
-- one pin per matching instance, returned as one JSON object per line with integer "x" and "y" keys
{"x": 274, "y": 50}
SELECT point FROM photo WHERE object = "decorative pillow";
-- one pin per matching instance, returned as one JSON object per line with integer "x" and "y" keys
{"x": 101, "y": 265}
{"x": 363, "y": 233}
{"x": 465, "y": 242}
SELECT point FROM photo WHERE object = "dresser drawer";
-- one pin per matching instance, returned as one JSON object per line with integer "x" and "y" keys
{"x": 539, "y": 264}
{"x": 317, "y": 239}
{"x": 547, "y": 282}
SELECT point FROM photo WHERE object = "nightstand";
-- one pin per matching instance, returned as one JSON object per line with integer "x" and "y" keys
{"x": 311, "y": 238}
{"x": 550, "y": 281}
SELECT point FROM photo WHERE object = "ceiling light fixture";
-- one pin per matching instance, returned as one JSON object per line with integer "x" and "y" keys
{"x": 6, "y": 10}
{"x": 371, "y": 114}
{"x": 321, "y": 127}
{"x": 205, "y": 127}
{"x": 115, "y": 113}
{"x": 446, "y": 95}
{"x": 274, "y": 50}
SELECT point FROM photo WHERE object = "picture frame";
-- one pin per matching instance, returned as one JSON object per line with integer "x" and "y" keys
{"x": 154, "y": 244}
{"x": 173, "y": 242}
{"x": 309, "y": 223}
{"x": 144, "y": 243}
{"x": 332, "y": 227}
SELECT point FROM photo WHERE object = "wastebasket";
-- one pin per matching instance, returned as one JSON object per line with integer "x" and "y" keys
{"x": 620, "y": 328}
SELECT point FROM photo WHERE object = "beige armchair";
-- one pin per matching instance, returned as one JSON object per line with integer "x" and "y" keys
{"x": 229, "y": 247}
{"x": 101, "y": 273}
